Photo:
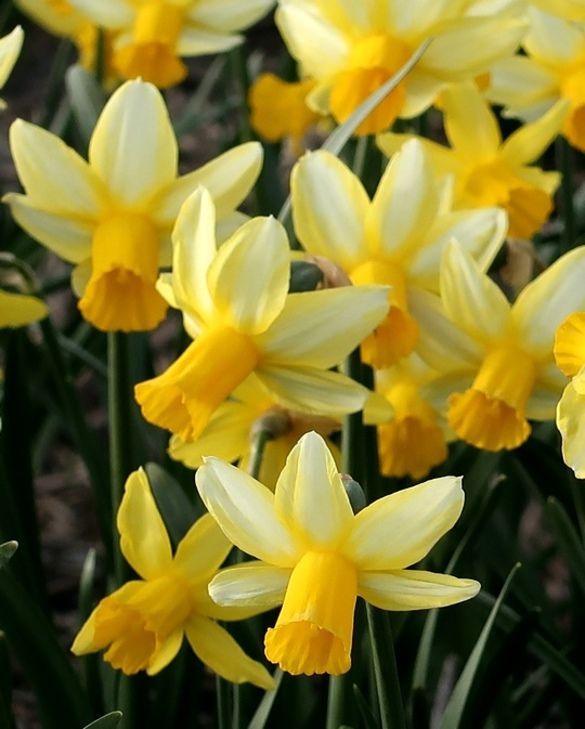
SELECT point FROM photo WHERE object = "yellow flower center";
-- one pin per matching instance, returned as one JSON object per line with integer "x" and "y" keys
{"x": 184, "y": 397}
{"x": 573, "y": 89}
{"x": 397, "y": 335}
{"x": 412, "y": 443}
{"x": 569, "y": 347}
{"x": 122, "y": 628}
{"x": 314, "y": 630}
{"x": 494, "y": 183}
{"x": 164, "y": 603}
{"x": 152, "y": 53}
{"x": 121, "y": 293}
{"x": 490, "y": 415}
{"x": 372, "y": 61}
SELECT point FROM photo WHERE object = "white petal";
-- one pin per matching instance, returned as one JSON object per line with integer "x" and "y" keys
{"x": 228, "y": 15}
{"x": 195, "y": 41}
{"x": 108, "y": 13}
{"x": 254, "y": 584}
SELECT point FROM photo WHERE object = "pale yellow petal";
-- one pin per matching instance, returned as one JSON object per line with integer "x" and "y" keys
{"x": 195, "y": 41}
{"x": 215, "y": 647}
{"x": 133, "y": 147}
{"x": 244, "y": 509}
{"x": 414, "y": 589}
{"x": 74, "y": 191}
{"x": 194, "y": 249}
{"x": 405, "y": 204}
{"x": 329, "y": 205}
{"x": 202, "y": 550}
{"x": 143, "y": 536}
{"x": 17, "y": 310}
{"x": 228, "y": 15}
{"x": 553, "y": 40}
{"x": 547, "y": 301}
{"x": 471, "y": 299}
{"x": 312, "y": 390}
{"x": 228, "y": 178}
{"x": 256, "y": 584}
{"x": 227, "y": 436}
{"x": 107, "y": 13}
{"x": 571, "y": 424}
{"x": 320, "y": 328}
{"x": 398, "y": 530}
{"x": 67, "y": 236}
{"x": 10, "y": 46}
{"x": 310, "y": 496}
{"x": 529, "y": 142}
{"x": 471, "y": 127}
{"x": 480, "y": 232}
{"x": 320, "y": 48}
{"x": 442, "y": 344}
{"x": 248, "y": 279}
{"x": 522, "y": 85}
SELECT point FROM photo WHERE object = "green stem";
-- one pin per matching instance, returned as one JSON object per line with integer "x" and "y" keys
{"x": 257, "y": 449}
{"x": 119, "y": 419}
{"x": 339, "y": 692}
{"x": 352, "y": 434}
{"x": 565, "y": 164}
{"x": 385, "y": 670}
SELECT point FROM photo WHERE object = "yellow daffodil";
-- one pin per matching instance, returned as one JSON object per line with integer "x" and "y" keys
{"x": 395, "y": 239}
{"x": 552, "y": 71}
{"x": 143, "y": 623}
{"x": 62, "y": 19}
{"x": 18, "y": 310}
{"x": 352, "y": 48}
{"x": 10, "y": 46}
{"x": 488, "y": 171}
{"x": 112, "y": 217}
{"x": 569, "y": 350}
{"x": 153, "y": 35}
{"x": 415, "y": 438}
{"x": 236, "y": 305}
{"x": 230, "y": 432}
{"x": 316, "y": 557}
{"x": 279, "y": 109}
{"x": 498, "y": 357}
{"x": 569, "y": 9}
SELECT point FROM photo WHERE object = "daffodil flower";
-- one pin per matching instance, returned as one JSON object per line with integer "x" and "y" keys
{"x": 112, "y": 217}
{"x": 152, "y": 35}
{"x": 395, "y": 239}
{"x": 230, "y": 432}
{"x": 236, "y": 306}
{"x": 352, "y": 48}
{"x": 18, "y": 310}
{"x": 143, "y": 623}
{"x": 569, "y": 350}
{"x": 486, "y": 170}
{"x": 498, "y": 357}
{"x": 316, "y": 557}
{"x": 10, "y": 46}
{"x": 62, "y": 19}
{"x": 415, "y": 438}
{"x": 278, "y": 109}
{"x": 551, "y": 72}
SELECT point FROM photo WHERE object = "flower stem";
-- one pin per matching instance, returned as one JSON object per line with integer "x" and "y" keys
{"x": 119, "y": 420}
{"x": 259, "y": 441}
{"x": 385, "y": 670}
{"x": 565, "y": 163}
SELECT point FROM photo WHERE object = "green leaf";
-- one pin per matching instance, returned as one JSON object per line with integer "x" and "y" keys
{"x": 177, "y": 511}
{"x": 385, "y": 670}
{"x": 109, "y": 721}
{"x": 87, "y": 99}
{"x": 260, "y": 718}
{"x": 6, "y": 551}
{"x": 458, "y": 700}
{"x": 368, "y": 719}
{"x": 568, "y": 540}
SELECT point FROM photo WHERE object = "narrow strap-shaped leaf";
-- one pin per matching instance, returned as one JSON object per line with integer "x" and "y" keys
{"x": 87, "y": 99}
{"x": 454, "y": 711}
{"x": 177, "y": 511}
{"x": 109, "y": 721}
{"x": 385, "y": 670}
{"x": 262, "y": 713}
